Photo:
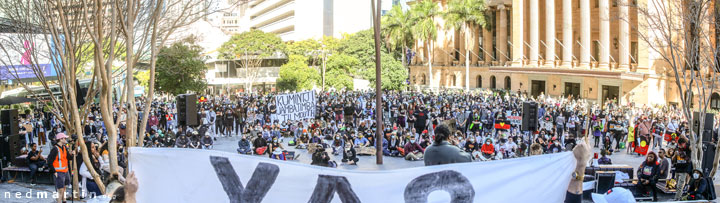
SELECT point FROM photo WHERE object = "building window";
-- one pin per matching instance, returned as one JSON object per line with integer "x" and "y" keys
{"x": 492, "y": 82}
{"x": 615, "y": 2}
{"x": 422, "y": 79}
{"x": 508, "y": 83}
{"x": 597, "y": 3}
{"x": 715, "y": 101}
{"x": 479, "y": 81}
{"x": 454, "y": 81}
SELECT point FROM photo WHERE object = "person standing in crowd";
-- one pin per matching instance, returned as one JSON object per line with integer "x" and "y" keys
{"x": 59, "y": 155}
{"x": 683, "y": 166}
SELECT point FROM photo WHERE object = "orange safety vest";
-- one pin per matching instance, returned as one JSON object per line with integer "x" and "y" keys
{"x": 60, "y": 162}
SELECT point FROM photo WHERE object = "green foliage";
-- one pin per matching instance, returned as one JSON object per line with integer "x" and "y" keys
{"x": 143, "y": 78}
{"x": 339, "y": 69}
{"x": 307, "y": 48}
{"x": 253, "y": 42}
{"x": 361, "y": 46}
{"x": 180, "y": 69}
{"x": 393, "y": 74}
{"x": 296, "y": 75}
{"x": 422, "y": 14}
{"x": 464, "y": 12}
{"x": 397, "y": 28}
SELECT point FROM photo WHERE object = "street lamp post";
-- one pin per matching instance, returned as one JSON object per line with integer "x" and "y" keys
{"x": 323, "y": 66}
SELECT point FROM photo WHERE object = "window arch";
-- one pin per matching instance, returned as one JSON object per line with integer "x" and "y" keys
{"x": 479, "y": 81}
{"x": 508, "y": 83}
{"x": 492, "y": 82}
{"x": 715, "y": 101}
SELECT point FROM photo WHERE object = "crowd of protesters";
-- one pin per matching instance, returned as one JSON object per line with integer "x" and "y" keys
{"x": 487, "y": 125}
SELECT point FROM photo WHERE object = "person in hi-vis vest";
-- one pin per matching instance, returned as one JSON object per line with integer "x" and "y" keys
{"x": 59, "y": 156}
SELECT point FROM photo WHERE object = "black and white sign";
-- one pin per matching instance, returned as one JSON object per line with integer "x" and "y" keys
{"x": 188, "y": 175}
{"x": 296, "y": 106}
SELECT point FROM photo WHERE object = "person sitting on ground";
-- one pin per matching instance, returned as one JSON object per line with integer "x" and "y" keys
{"x": 337, "y": 144}
{"x": 361, "y": 141}
{"x": 303, "y": 141}
{"x": 36, "y": 162}
{"x": 604, "y": 160}
{"x": 274, "y": 146}
{"x": 349, "y": 153}
{"x": 207, "y": 142}
{"x": 182, "y": 141}
{"x": 321, "y": 158}
{"x": 647, "y": 175}
{"x": 195, "y": 141}
{"x": 413, "y": 151}
{"x": 698, "y": 187}
{"x": 488, "y": 150}
{"x": 244, "y": 146}
{"x": 393, "y": 147}
{"x": 260, "y": 144}
{"x": 536, "y": 149}
{"x": 555, "y": 147}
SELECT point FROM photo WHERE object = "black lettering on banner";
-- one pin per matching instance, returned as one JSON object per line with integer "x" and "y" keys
{"x": 326, "y": 187}
{"x": 453, "y": 182}
{"x": 257, "y": 187}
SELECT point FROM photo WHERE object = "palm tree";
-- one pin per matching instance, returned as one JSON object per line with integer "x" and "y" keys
{"x": 423, "y": 14}
{"x": 398, "y": 30}
{"x": 465, "y": 15}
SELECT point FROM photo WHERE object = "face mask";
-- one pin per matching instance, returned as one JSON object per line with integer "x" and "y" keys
{"x": 412, "y": 141}
{"x": 696, "y": 176}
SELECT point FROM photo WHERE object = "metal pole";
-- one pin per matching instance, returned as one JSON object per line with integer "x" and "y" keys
{"x": 378, "y": 86}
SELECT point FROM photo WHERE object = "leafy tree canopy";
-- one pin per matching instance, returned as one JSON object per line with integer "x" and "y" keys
{"x": 253, "y": 42}
{"x": 339, "y": 71}
{"x": 394, "y": 74}
{"x": 296, "y": 75}
{"x": 180, "y": 68}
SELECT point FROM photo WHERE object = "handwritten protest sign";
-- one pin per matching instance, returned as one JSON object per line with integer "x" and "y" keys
{"x": 295, "y": 106}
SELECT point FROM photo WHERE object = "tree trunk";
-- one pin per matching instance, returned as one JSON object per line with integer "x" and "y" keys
{"x": 404, "y": 64}
{"x": 153, "y": 59}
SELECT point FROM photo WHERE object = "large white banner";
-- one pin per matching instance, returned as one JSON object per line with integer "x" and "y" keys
{"x": 295, "y": 106}
{"x": 187, "y": 175}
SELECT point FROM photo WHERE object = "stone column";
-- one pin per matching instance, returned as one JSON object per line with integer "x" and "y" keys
{"x": 518, "y": 39}
{"x": 501, "y": 42}
{"x": 568, "y": 41}
{"x": 487, "y": 46}
{"x": 585, "y": 33}
{"x": 624, "y": 55}
{"x": 604, "y": 54}
{"x": 534, "y": 31}
{"x": 550, "y": 33}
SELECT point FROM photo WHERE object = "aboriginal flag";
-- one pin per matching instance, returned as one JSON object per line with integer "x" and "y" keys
{"x": 502, "y": 125}
{"x": 642, "y": 146}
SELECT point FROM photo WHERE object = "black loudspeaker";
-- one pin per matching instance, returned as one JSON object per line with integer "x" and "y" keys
{"x": 187, "y": 110}
{"x": 708, "y": 150}
{"x": 80, "y": 93}
{"x": 15, "y": 144}
{"x": 604, "y": 182}
{"x": 530, "y": 116}
{"x": 4, "y": 148}
{"x": 707, "y": 132}
{"x": 9, "y": 122}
